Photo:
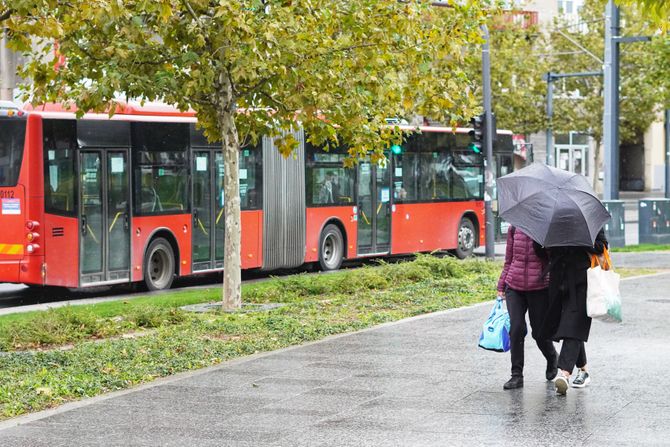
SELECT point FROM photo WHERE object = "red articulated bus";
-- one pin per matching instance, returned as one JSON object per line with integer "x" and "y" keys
{"x": 139, "y": 197}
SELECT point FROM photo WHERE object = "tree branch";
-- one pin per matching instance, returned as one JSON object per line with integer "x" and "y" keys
{"x": 5, "y": 15}
{"x": 188, "y": 6}
{"x": 277, "y": 102}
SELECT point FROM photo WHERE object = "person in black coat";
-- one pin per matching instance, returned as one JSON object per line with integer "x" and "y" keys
{"x": 566, "y": 318}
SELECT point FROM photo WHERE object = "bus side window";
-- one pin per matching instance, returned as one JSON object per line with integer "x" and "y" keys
{"x": 59, "y": 166}
{"x": 251, "y": 177}
{"x": 161, "y": 167}
{"x": 327, "y": 181}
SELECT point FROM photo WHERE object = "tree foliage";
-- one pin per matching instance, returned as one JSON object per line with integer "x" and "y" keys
{"x": 579, "y": 104}
{"x": 340, "y": 69}
{"x": 521, "y": 57}
{"x": 357, "y": 62}
{"x": 519, "y": 93}
{"x": 656, "y": 10}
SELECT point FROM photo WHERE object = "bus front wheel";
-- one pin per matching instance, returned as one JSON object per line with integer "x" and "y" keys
{"x": 331, "y": 248}
{"x": 466, "y": 239}
{"x": 159, "y": 265}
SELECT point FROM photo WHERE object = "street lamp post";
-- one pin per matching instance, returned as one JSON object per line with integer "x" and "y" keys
{"x": 611, "y": 109}
{"x": 488, "y": 145}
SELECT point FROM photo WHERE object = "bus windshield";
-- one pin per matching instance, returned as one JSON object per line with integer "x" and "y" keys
{"x": 12, "y": 137}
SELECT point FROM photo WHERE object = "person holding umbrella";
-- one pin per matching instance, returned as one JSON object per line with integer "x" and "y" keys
{"x": 524, "y": 288}
{"x": 560, "y": 211}
{"x": 566, "y": 319}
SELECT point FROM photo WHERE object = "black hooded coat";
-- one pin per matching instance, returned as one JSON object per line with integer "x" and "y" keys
{"x": 566, "y": 316}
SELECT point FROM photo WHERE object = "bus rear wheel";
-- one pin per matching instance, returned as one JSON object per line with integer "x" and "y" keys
{"x": 466, "y": 239}
{"x": 159, "y": 265}
{"x": 331, "y": 248}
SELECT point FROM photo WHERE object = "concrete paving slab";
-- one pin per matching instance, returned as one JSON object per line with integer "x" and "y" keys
{"x": 419, "y": 382}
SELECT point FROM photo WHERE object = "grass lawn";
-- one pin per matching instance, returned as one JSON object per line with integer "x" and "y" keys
{"x": 630, "y": 272}
{"x": 69, "y": 353}
{"x": 641, "y": 247}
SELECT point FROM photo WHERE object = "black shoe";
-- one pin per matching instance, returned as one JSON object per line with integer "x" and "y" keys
{"x": 581, "y": 380}
{"x": 552, "y": 369}
{"x": 514, "y": 382}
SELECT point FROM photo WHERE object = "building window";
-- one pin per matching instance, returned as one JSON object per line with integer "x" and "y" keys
{"x": 570, "y": 7}
{"x": 572, "y": 151}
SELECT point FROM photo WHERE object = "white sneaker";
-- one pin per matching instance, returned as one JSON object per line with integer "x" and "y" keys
{"x": 583, "y": 378}
{"x": 561, "y": 384}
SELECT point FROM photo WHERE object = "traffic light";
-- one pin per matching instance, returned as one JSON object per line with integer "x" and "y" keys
{"x": 396, "y": 149}
{"x": 478, "y": 132}
{"x": 478, "y": 124}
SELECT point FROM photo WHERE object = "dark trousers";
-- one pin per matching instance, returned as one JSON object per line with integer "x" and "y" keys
{"x": 536, "y": 304}
{"x": 572, "y": 354}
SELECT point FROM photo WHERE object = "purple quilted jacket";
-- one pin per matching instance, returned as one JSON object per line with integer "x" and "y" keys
{"x": 523, "y": 268}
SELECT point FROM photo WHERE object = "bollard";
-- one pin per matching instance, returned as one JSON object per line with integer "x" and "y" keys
{"x": 654, "y": 221}
{"x": 615, "y": 228}
{"x": 501, "y": 229}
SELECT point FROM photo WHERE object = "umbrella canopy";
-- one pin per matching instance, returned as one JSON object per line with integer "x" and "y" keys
{"x": 552, "y": 206}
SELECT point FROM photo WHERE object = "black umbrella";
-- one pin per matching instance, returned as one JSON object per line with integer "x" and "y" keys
{"x": 552, "y": 206}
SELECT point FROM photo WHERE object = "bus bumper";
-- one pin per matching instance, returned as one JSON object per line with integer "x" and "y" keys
{"x": 26, "y": 271}
{"x": 31, "y": 270}
{"x": 9, "y": 271}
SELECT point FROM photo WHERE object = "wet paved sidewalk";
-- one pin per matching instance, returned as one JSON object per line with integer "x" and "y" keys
{"x": 420, "y": 382}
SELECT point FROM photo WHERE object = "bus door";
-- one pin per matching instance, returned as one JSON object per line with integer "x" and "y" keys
{"x": 208, "y": 218}
{"x": 374, "y": 207}
{"x": 104, "y": 216}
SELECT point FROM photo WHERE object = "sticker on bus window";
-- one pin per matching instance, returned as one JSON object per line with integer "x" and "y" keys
{"x": 11, "y": 206}
{"x": 52, "y": 155}
{"x": 243, "y": 174}
{"x": 386, "y": 195}
{"x": 117, "y": 165}
{"x": 53, "y": 177}
{"x": 201, "y": 164}
{"x": 161, "y": 172}
{"x": 398, "y": 172}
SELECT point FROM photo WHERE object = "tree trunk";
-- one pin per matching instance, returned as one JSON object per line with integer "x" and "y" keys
{"x": 232, "y": 278}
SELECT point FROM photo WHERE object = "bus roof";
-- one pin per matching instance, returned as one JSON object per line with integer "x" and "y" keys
{"x": 132, "y": 111}
{"x": 122, "y": 108}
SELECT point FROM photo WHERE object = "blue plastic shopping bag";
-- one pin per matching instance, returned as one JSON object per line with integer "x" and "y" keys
{"x": 495, "y": 332}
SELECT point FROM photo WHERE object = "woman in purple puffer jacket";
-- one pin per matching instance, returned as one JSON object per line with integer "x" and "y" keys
{"x": 525, "y": 288}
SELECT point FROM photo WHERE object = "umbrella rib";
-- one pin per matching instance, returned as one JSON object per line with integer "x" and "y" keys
{"x": 573, "y": 201}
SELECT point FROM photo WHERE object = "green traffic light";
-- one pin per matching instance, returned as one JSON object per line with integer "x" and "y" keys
{"x": 474, "y": 148}
{"x": 396, "y": 149}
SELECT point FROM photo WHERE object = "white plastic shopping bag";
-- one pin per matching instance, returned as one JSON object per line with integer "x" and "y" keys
{"x": 603, "y": 299}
